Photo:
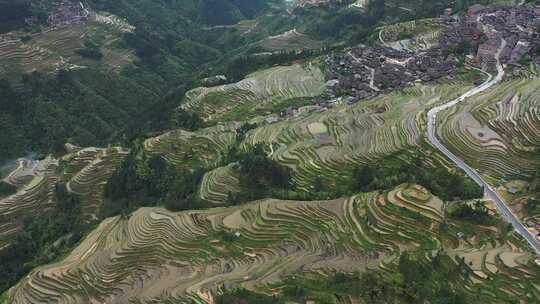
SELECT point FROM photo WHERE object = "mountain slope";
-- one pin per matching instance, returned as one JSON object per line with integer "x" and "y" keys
{"x": 155, "y": 255}
{"x": 311, "y": 180}
{"x": 102, "y": 71}
{"x": 256, "y": 92}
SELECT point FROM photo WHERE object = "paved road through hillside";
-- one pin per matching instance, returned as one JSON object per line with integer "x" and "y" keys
{"x": 505, "y": 211}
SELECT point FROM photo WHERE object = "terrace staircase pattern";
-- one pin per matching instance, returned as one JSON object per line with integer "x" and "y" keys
{"x": 31, "y": 199}
{"x": 278, "y": 83}
{"x": 184, "y": 149}
{"x": 321, "y": 144}
{"x": 158, "y": 256}
{"x": 84, "y": 172}
{"x": 218, "y": 183}
{"x": 490, "y": 193}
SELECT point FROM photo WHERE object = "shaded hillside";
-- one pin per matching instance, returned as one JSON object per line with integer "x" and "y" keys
{"x": 85, "y": 107}
{"x": 13, "y": 13}
{"x": 211, "y": 12}
{"x": 110, "y": 82}
{"x": 219, "y": 12}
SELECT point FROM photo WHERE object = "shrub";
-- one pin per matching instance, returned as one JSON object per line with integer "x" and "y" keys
{"x": 6, "y": 189}
{"x": 259, "y": 176}
{"x": 90, "y": 51}
{"x": 476, "y": 214}
{"x": 392, "y": 171}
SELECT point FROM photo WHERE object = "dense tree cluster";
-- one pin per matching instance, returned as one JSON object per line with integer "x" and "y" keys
{"x": 244, "y": 296}
{"x": 533, "y": 204}
{"x": 414, "y": 281}
{"x": 475, "y": 214}
{"x": 219, "y": 12}
{"x": 144, "y": 180}
{"x": 90, "y": 51}
{"x": 6, "y": 189}
{"x": 87, "y": 108}
{"x": 260, "y": 176}
{"x": 351, "y": 25}
{"x": 210, "y": 12}
{"x": 390, "y": 172}
{"x": 13, "y": 13}
{"x": 171, "y": 38}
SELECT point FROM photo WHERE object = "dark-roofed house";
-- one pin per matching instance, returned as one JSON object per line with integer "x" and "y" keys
{"x": 475, "y": 9}
{"x": 513, "y": 190}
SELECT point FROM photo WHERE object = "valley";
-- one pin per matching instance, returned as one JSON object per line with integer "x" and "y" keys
{"x": 230, "y": 151}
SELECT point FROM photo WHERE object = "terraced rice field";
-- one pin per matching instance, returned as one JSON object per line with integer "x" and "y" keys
{"x": 323, "y": 144}
{"x": 218, "y": 183}
{"x": 16, "y": 55}
{"x": 497, "y": 132}
{"x": 240, "y": 100}
{"x": 20, "y": 172}
{"x": 86, "y": 172}
{"x": 55, "y": 49}
{"x": 314, "y": 145}
{"x": 155, "y": 256}
{"x": 187, "y": 150}
{"x": 113, "y": 21}
{"x": 33, "y": 197}
{"x": 416, "y": 35}
{"x": 290, "y": 41}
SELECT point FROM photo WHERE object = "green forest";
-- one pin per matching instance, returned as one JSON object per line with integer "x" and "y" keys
{"x": 95, "y": 106}
{"x": 413, "y": 281}
{"x": 175, "y": 49}
{"x": 13, "y": 13}
{"x": 392, "y": 171}
{"x": 148, "y": 180}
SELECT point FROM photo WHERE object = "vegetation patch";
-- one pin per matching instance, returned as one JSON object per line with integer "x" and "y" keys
{"x": 42, "y": 239}
{"x": 391, "y": 172}
{"x": 477, "y": 213}
{"x": 150, "y": 181}
{"x": 90, "y": 51}
{"x": 259, "y": 176}
{"x": 6, "y": 189}
{"x": 412, "y": 280}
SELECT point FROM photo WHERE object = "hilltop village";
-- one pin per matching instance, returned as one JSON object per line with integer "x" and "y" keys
{"x": 59, "y": 14}
{"x": 363, "y": 72}
{"x": 62, "y": 14}
{"x": 470, "y": 41}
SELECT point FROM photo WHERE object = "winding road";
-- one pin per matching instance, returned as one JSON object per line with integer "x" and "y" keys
{"x": 489, "y": 192}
